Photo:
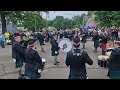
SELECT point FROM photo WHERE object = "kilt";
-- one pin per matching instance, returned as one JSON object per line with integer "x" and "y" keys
{"x": 18, "y": 63}
{"x": 114, "y": 74}
{"x": 96, "y": 44}
{"x": 54, "y": 54}
{"x": 84, "y": 40}
{"x": 32, "y": 74}
{"x": 42, "y": 43}
{"x": 103, "y": 46}
{"x": 113, "y": 37}
{"x": 76, "y": 77}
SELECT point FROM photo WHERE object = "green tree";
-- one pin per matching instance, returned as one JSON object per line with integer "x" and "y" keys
{"x": 57, "y": 22}
{"x": 33, "y": 21}
{"x": 108, "y": 18}
{"x": 77, "y": 21}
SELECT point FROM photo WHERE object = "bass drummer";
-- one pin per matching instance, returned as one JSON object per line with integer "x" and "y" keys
{"x": 76, "y": 59}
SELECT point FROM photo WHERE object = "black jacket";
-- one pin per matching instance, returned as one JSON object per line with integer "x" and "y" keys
{"x": 18, "y": 51}
{"x": 65, "y": 34}
{"x": 54, "y": 45}
{"x": 104, "y": 38}
{"x": 33, "y": 60}
{"x": 24, "y": 43}
{"x": 77, "y": 63}
{"x": 95, "y": 37}
{"x": 41, "y": 38}
{"x": 114, "y": 63}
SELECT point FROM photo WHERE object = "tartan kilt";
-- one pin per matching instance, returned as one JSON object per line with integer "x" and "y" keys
{"x": 84, "y": 40}
{"x": 18, "y": 63}
{"x": 76, "y": 77}
{"x": 32, "y": 74}
{"x": 42, "y": 43}
{"x": 103, "y": 46}
{"x": 53, "y": 53}
{"x": 114, "y": 74}
{"x": 96, "y": 44}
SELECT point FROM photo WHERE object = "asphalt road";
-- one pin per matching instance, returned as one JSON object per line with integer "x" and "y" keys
{"x": 8, "y": 71}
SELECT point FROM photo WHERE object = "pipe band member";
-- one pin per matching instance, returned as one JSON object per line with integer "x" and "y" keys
{"x": 103, "y": 41}
{"x": 33, "y": 66}
{"x": 76, "y": 59}
{"x": 41, "y": 40}
{"x": 95, "y": 39}
{"x": 18, "y": 54}
{"x": 114, "y": 62}
{"x": 54, "y": 48}
{"x": 84, "y": 37}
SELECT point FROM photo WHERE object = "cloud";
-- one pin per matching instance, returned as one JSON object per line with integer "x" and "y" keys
{"x": 65, "y": 14}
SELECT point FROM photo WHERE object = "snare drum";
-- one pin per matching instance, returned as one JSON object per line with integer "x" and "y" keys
{"x": 110, "y": 49}
{"x": 102, "y": 61}
{"x": 108, "y": 54}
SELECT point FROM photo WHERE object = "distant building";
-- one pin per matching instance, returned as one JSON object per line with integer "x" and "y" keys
{"x": 10, "y": 27}
{"x": 89, "y": 20}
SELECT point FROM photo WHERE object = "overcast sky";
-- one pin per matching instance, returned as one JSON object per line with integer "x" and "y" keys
{"x": 66, "y": 14}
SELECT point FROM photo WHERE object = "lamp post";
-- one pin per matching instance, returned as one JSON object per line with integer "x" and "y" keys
{"x": 46, "y": 20}
{"x": 35, "y": 22}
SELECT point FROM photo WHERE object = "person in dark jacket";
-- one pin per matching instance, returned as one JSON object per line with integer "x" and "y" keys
{"x": 41, "y": 40}
{"x": 114, "y": 62}
{"x": 84, "y": 37}
{"x": 18, "y": 54}
{"x": 116, "y": 33}
{"x": 65, "y": 34}
{"x": 54, "y": 48}
{"x": 104, "y": 38}
{"x": 61, "y": 34}
{"x": 33, "y": 62}
{"x": 47, "y": 36}
{"x": 113, "y": 34}
{"x": 95, "y": 39}
{"x": 76, "y": 59}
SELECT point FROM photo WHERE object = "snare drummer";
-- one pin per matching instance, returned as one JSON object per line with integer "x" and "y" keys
{"x": 103, "y": 40}
{"x": 114, "y": 62}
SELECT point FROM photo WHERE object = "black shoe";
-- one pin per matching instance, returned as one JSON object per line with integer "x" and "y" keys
{"x": 42, "y": 51}
{"x": 95, "y": 51}
{"x": 22, "y": 76}
{"x": 56, "y": 63}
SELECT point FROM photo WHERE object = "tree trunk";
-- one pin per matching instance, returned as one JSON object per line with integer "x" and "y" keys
{"x": 3, "y": 22}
